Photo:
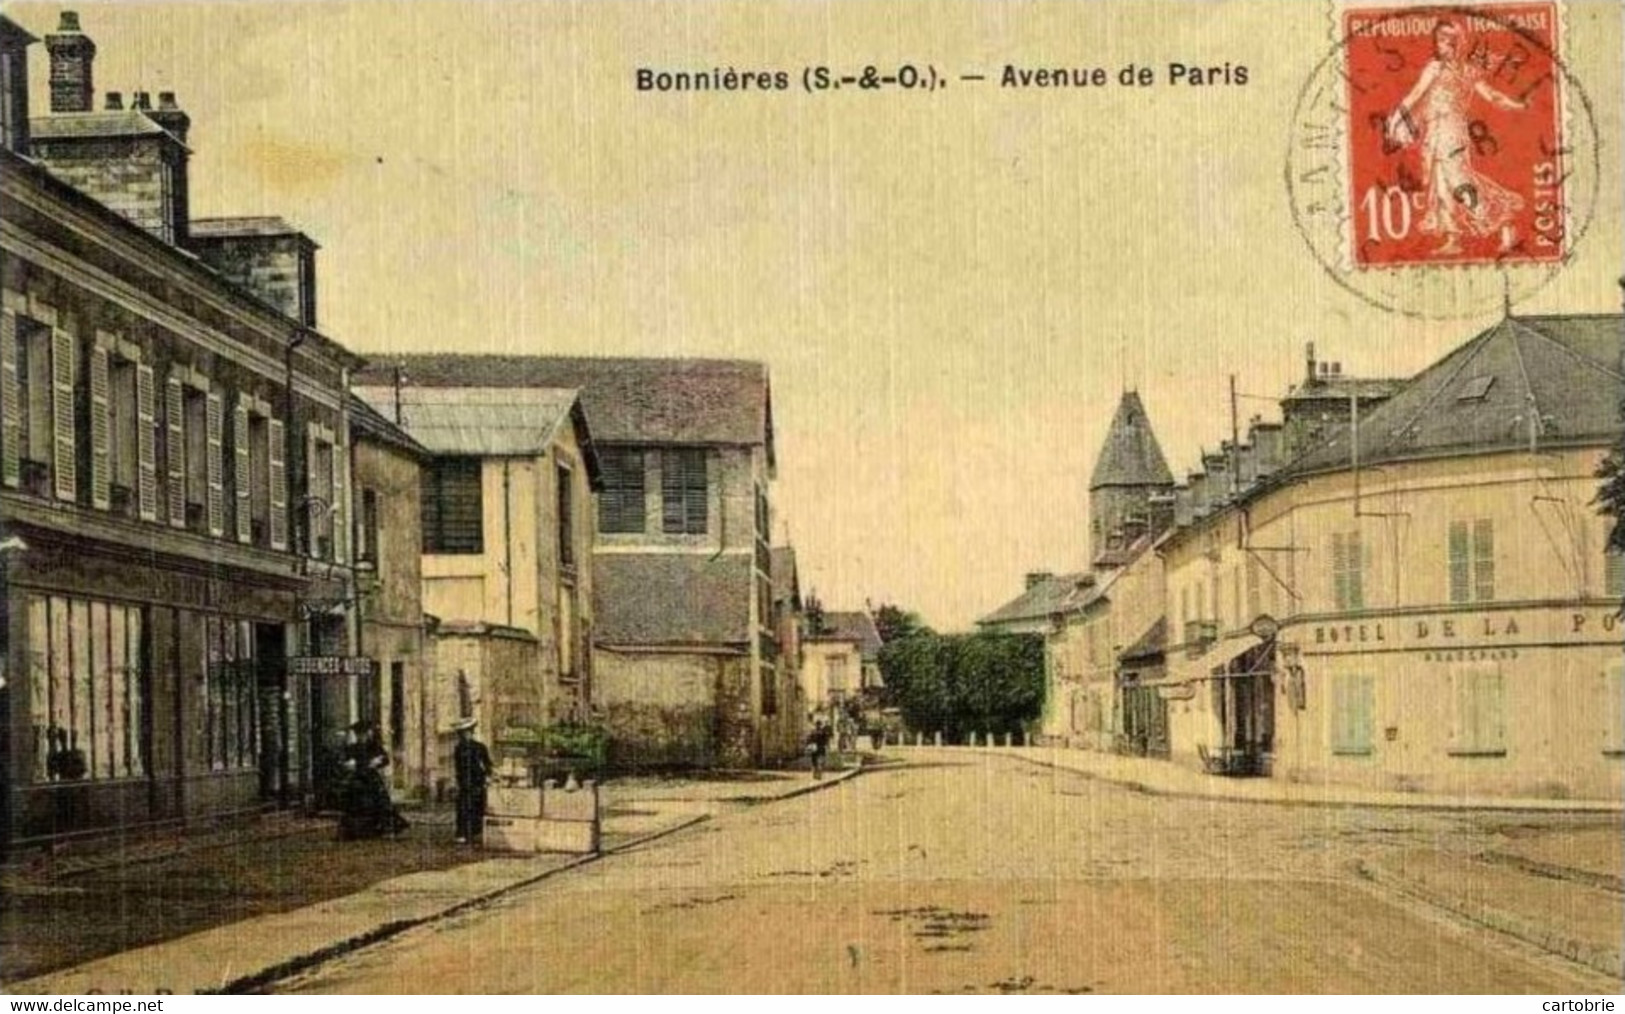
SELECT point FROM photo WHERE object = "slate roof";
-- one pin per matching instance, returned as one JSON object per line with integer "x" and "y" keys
{"x": 478, "y": 421}
{"x": 672, "y": 599}
{"x": 1052, "y": 595}
{"x": 1555, "y": 379}
{"x": 260, "y": 225}
{"x": 786, "y": 579}
{"x": 857, "y": 627}
{"x": 1150, "y": 644}
{"x": 646, "y": 401}
{"x": 1130, "y": 455}
{"x": 112, "y": 123}
{"x": 1340, "y": 387}
{"x": 368, "y": 422}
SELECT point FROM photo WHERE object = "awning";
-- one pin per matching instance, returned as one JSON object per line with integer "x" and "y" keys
{"x": 1243, "y": 656}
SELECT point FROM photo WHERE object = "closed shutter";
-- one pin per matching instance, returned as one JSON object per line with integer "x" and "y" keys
{"x": 341, "y": 500}
{"x": 101, "y": 478}
{"x": 1460, "y": 564}
{"x": 1484, "y": 559}
{"x": 1340, "y": 593}
{"x": 214, "y": 459}
{"x": 175, "y": 450}
{"x": 276, "y": 456}
{"x": 1613, "y": 699}
{"x": 65, "y": 467}
{"x": 313, "y": 506}
{"x": 11, "y": 424}
{"x": 242, "y": 478}
{"x": 146, "y": 443}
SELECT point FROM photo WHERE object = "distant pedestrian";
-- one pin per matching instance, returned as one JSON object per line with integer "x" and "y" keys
{"x": 818, "y": 747}
{"x": 472, "y": 763}
{"x": 369, "y": 812}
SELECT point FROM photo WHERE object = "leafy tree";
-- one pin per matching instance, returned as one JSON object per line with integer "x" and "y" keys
{"x": 965, "y": 683}
{"x": 894, "y": 623}
{"x": 813, "y": 608}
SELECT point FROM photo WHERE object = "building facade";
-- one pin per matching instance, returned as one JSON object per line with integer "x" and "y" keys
{"x": 1422, "y": 601}
{"x": 685, "y": 657}
{"x": 506, "y": 555}
{"x": 174, "y": 458}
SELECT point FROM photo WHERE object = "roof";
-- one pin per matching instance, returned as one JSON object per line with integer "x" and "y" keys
{"x": 1341, "y": 387}
{"x": 485, "y": 422}
{"x": 648, "y": 401}
{"x": 369, "y": 423}
{"x": 107, "y": 123}
{"x": 1046, "y": 598}
{"x": 786, "y": 579}
{"x": 1544, "y": 380}
{"x": 671, "y": 599}
{"x": 15, "y": 33}
{"x": 248, "y": 225}
{"x": 1150, "y": 644}
{"x": 1130, "y": 455}
{"x": 857, "y": 627}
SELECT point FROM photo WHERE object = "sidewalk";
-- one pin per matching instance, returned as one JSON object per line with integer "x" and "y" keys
{"x": 1165, "y": 778}
{"x": 242, "y": 954}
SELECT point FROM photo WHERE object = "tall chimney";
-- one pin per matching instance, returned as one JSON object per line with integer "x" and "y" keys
{"x": 72, "y": 53}
{"x": 1309, "y": 353}
{"x": 169, "y": 116}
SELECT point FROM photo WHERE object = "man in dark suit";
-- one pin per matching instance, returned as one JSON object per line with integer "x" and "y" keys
{"x": 472, "y": 762}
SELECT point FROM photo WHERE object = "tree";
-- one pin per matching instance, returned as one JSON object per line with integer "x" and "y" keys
{"x": 894, "y": 623}
{"x": 965, "y": 683}
{"x": 813, "y": 609}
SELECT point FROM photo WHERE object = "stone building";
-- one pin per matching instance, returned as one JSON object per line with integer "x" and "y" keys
{"x": 840, "y": 660}
{"x": 507, "y": 542}
{"x": 1422, "y": 600}
{"x": 685, "y": 661}
{"x": 174, "y": 458}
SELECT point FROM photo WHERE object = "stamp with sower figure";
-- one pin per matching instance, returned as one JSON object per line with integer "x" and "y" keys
{"x": 1442, "y": 159}
{"x": 1455, "y": 135}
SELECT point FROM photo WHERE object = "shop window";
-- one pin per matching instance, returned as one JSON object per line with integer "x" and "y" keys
{"x": 87, "y": 690}
{"x": 1348, "y": 571}
{"x": 453, "y": 507}
{"x": 1478, "y": 724}
{"x": 621, "y": 507}
{"x": 684, "y": 491}
{"x": 230, "y": 701}
{"x": 1352, "y": 704}
{"x": 1472, "y": 560}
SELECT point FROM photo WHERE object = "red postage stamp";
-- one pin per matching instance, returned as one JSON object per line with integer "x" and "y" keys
{"x": 1455, "y": 135}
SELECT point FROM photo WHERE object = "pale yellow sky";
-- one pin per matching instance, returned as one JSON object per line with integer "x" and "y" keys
{"x": 950, "y": 289}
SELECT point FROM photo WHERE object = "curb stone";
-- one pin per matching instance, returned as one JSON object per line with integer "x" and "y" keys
{"x": 293, "y": 966}
{"x": 1499, "y": 806}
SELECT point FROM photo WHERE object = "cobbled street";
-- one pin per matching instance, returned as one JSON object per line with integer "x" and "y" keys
{"x": 962, "y": 872}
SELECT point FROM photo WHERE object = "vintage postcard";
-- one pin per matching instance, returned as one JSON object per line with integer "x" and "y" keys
{"x": 816, "y": 497}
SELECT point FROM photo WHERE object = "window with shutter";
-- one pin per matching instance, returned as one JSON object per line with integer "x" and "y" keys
{"x": 564, "y": 492}
{"x": 1472, "y": 560}
{"x": 453, "y": 507}
{"x": 277, "y": 482}
{"x": 685, "y": 492}
{"x": 214, "y": 502}
{"x": 1479, "y": 724}
{"x": 124, "y": 418}
{"x": 1613, "y": 574}
{"x": 338, "y": 523}
{"x": 175, "y": 449}
{"x": 64, "y": 464}
{"x": 242, "y": 479}
{"x": 101, "y": 437}
{"x": 146, "y": 443}
{"x": 11, "y": 411}
{"x": 1613, "y": 699}
{"x": 1353, "y": 703}
{"x": 622, "y": 505}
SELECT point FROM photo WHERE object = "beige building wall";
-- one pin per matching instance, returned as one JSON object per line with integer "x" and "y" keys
{"x": 1412, "y": 690}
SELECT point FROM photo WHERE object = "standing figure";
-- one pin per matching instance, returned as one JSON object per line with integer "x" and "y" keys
{"x": 1457, "y": 198}
{"x": 818, "y": 747}
{"x": 368, "y": 809}
{"x": 472, "y": 762}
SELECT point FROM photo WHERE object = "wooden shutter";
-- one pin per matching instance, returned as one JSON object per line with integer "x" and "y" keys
{"x": 339, "y": 517}
{"x": 1460, "y": 565}
{"x": 11, "y": 424}
{"x": 276, "y": 457}
{"x": 242, "y": 477}
{"x": 101, "y": 433}
{"x": 1339, "y": 571}
{"x": 175, "y": 450}
{"x": 214, "y": 418}
{"x": 1613, "y": 699}
{"x": 65, "y": 466}
{"x": 312, "y": 505}
{"x": 146, "y": 443}
{"x": 1484, "y": 559}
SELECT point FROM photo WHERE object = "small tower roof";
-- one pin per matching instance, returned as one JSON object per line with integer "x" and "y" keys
{"x": 1130, "y": 455}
